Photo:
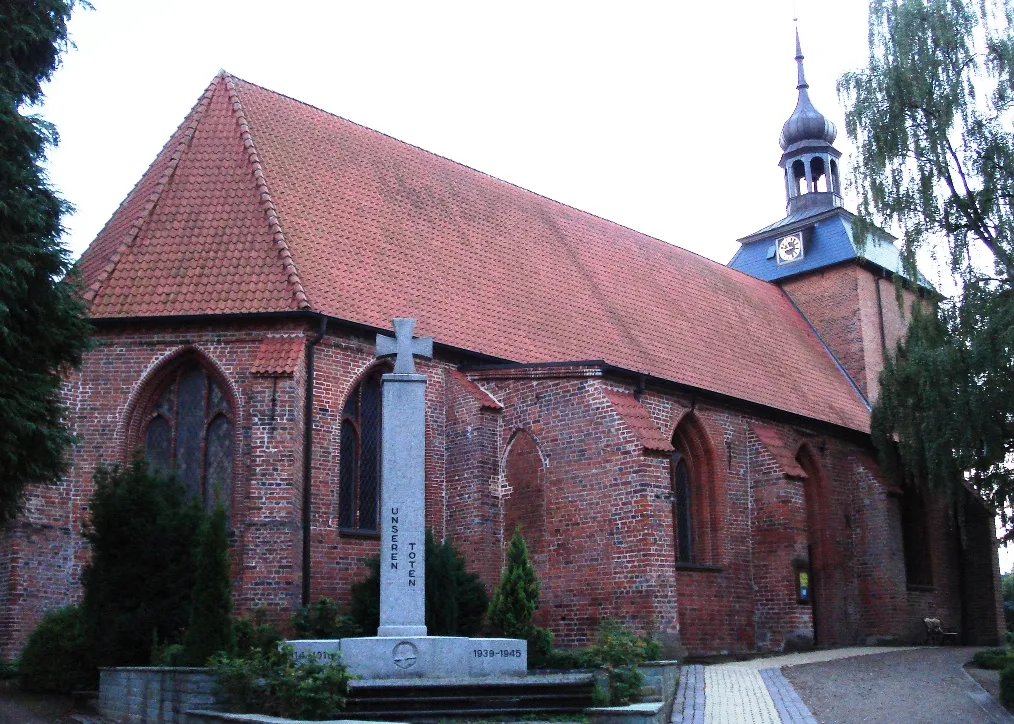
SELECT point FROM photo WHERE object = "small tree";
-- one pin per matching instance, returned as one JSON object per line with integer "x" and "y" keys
{"x": 365, "y": 609}
{"x": 512, "y": 610}
{"x": 210, "y": 630}
{"x": 142, "y": 572}
{"x": 516, "y": 598}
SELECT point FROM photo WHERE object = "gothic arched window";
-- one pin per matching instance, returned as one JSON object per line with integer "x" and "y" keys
{"x": 681, "y": 508}
{"x": 696, "y": 511}
{"x": 359, "y": 462}
{"x": 189, "y": 431}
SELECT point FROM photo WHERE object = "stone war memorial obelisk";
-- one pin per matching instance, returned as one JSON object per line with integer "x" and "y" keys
{"x": 401, "y": 649}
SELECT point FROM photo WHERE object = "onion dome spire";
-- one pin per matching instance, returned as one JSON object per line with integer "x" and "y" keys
{"x": 806, "y": 123}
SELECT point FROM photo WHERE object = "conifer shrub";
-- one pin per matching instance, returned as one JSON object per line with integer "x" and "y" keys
{"x": 282, "y": 683}
{"x": 512, "y": 610}
{"x": 324, "y": 619}
{"x": 56, "y": 658}
{"x": 456, "y": 600}
{"x": 139, "y": 582}
{"x": 211, "y": 629}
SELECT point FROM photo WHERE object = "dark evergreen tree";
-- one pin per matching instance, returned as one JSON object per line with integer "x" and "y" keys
{"x": 143, "y": 535}
{"x": 211, "y": 629}
{"x": 365, "y": 608}
{"x": 42, "y": 325}
{"x": 456, "y": 600}
{"x": 930, "y": 117}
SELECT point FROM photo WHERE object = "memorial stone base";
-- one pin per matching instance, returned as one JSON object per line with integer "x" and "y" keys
{"x": 424, "y": 657}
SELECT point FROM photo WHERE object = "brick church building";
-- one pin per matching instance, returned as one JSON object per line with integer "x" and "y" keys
{"x": 685, "y": 443}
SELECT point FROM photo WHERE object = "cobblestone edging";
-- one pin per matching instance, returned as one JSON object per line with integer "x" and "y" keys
{"x": 790, "y": 707}
{"x": 688, "y": 707}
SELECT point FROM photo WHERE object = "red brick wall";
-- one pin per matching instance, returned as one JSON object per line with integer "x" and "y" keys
{"x": 474, "y": 514}
{"x": 984, "y": 595}
{"x": 525, "y": 494}
{"x": 830, "y": 300}
{"x": 843, "y": 305}
{"x": 606, "y": 547}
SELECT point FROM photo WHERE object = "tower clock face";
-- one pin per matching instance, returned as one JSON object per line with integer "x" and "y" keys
{"x": 790, "y": 248}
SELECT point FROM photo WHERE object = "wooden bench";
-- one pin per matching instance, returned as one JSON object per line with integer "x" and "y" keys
{"x": 937, "y": 635}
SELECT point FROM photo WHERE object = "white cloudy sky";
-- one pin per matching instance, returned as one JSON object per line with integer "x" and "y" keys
{"x": 661, "y": 116}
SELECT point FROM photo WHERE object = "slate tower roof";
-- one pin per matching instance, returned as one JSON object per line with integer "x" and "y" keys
{"x": 815, "y": 212}
{"x": 261, "y": 203}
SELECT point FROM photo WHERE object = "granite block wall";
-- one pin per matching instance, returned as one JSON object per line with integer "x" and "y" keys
{"x": 154, "y": 695}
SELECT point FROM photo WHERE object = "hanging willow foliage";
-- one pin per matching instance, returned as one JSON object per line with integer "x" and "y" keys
{"x": 931, "y": 119}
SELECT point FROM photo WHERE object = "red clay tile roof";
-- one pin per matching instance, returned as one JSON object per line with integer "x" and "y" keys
{"x": 484, "y": 399}
{"x": 271, "y": 204}
{"x": 639, "y": 420}
{"x": 278, "y": 356}
{"x": 206, "y": 239}
{"x": 782, "y": 449}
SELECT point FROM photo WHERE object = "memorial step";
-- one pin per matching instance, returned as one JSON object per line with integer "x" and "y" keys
{"x": 418, "y": 699}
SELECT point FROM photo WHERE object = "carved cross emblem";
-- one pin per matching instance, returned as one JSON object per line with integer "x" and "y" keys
{"x": 405, "y": 346}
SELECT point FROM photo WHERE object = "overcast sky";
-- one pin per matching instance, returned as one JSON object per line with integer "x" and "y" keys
{"x": 660, "y": 116}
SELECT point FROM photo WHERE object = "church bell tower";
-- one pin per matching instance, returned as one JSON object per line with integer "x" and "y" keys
{"x": 841, "y": 285}
{"x": 809, "y": 158}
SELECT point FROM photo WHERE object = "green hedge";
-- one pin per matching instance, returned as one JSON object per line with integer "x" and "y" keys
{"x": 993, "y": 658}
{"x": 1007, "y": 685}
{"x": 282, "y": 683}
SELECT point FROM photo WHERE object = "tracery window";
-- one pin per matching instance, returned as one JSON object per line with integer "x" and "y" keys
{"x": 189, "y": 432}
{"x": 359, "y": 462}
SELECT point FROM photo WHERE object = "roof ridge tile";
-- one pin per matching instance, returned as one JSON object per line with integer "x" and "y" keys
{"x": 267, "y": 202}
{"x": 135, "y": 228}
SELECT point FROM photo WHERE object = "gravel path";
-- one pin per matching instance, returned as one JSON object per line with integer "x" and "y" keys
{"x": 926, "y": 685}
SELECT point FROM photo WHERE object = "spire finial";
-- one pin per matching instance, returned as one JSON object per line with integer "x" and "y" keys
{"x": 801, "y": 80}
{"x": 806, "y": 123}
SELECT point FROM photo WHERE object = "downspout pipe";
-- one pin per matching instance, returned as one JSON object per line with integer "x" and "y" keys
{"x": 308, "y": 452}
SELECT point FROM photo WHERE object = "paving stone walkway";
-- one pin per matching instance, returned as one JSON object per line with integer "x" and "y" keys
{"x": 752, "y": 692}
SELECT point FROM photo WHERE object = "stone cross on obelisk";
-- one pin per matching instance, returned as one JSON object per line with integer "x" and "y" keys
{"x": 403, "y": 485}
